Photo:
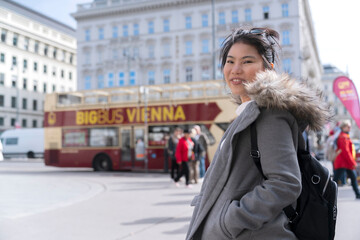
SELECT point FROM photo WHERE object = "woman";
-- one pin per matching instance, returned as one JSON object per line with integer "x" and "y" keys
{"x": 344, "y": 161}
{"x": 184, "y": 153}
{"x": 235, "y": 201}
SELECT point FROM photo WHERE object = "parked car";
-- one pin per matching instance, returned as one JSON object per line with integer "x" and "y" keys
{"x": 25, "y": 142}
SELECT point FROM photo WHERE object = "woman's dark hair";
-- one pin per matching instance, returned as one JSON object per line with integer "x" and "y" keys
{"x": 265, "y": 40}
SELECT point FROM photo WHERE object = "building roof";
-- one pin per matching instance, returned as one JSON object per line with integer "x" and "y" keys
{"x": 36, "y": 16}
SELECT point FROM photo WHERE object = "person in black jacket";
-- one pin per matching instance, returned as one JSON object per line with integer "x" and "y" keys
{"x": 173, "y": 141}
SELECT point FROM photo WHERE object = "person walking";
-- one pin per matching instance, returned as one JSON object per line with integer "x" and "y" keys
{"x": 345, "y": 161}
{"x": 194, "y": 163}
{"x": 172, "y": 143}
{"x": 235, "y": 201}
{"x": 184, "y": 153}
{"x": 203, "y": 141}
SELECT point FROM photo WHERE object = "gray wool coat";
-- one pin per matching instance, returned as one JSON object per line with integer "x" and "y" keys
{"x": 235, "y": 202}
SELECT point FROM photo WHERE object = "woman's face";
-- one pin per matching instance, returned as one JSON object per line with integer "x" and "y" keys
{"x": 242, "y": 63}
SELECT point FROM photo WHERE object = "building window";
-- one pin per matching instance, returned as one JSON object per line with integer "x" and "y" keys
{"x": 46, "y": 50}
{"x": 166, "y": 25}
{"x": 110, "y": 79}
{"x": 205, "y": 73}
{"x": 35, "y": 105}
{"x": 286, "y": 38}
{"x": 14, "y": 62}
{"x": 14, "y": 81}
{"x": 287, "y": 65}
{"x": 35, "y": 66}
{"x": 166, "y": 48}
{"x": 2, "y": 101}
{"x": 45, "y": 69}
{"x": 54, "y": 71}
{"x": 70, "y": 75}
{"x": 248, "y": 15}
{"x": 151, "y": 77}
{"x": 54, "y": 53}
{"x": 24, "y": 123}
{"x": 13, "y": 121}
{"x": 44, "y": 87}
{"x": 136, "y": 29}
{"x": 71, "y": 58}
{"x": 285, "y": 9}
{"x": 188, "y": 74}
{"x": 15, "y": 39}
{"x": 115, "y": 32}
{"x": 25, "y": 64}
{"x": 13, "y": 102}
{"x": 62, "y": 73}
{"x": 3, "y": 35}
{"x": 24, "y": 83}
{"x": 2, "y": 57}
{"x": 221, "y": 42}
{"x": 188, "y": 47}
{"x": 205, "y": 46}
{"x": 151, "y": 27}
{"x": 24, "y": 103}
{"x": 121, "y": 78}
{"x": 100, "y": 81}
{"x": 2, "y": 79}
{"x": 87, "y": 82}
{"x": 234, "y": 16}
{"x": 125, "y": 31}
{"x": 53, "y": 88}
{"x": 266, "y": 11}
{"x": 36, "y": 47}
{"x": 26, "y": 43}
{"x": 1, "y": 121}
{"x": 204, "y": 20}
{"x": 151, "y": 49}
{"x": 34, "y": 123}
{"x": 87, "y": 35}
{"x": 188, "y": 24}
{"x": 35, "y": 85}
{"x": 101, "y": 33}
{"x": 221, "y": 18}
{"x": 132, "y": 78}
{"x": 166, "y": 75}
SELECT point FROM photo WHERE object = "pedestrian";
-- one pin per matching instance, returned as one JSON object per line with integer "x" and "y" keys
{"x": 235, "y": 201}
{"x": 184, "y": 153}
{"x": 345, "y": 160}
{"x": 194, "y": 163}
{"x": 172, "y": 143}
{"x": 203, "y": 141}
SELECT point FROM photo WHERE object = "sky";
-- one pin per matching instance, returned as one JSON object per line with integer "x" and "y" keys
{"x": 335, "y": 21}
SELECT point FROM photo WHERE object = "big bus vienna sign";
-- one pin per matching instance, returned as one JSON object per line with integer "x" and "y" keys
{"x": 134, "y": 115}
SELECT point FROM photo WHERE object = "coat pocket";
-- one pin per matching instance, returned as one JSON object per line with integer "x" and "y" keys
{"x": 222, "y": 219}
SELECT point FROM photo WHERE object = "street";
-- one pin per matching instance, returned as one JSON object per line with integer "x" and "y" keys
{"x": 46, "y": 203}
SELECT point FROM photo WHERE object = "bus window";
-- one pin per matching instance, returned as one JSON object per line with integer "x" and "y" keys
{"x": 157, "y": 135}
{"x": 75, "y": 137}
{"x": 139, "y": 144}
{"x": 125, "y": 145}
{"x": 11, "y": 141}
{"x": 101, "y": 137}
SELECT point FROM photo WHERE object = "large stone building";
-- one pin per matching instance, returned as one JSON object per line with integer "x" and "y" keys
{"x": 140, "y": 42}
{"x": 37, "y": 56}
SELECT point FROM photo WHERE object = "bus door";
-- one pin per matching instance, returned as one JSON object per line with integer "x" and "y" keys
{"x": 125, "y": 144}
{"x": 139, "y": 160}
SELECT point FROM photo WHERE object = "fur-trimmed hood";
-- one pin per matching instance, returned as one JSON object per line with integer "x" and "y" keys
{"x": 280, "y": 91}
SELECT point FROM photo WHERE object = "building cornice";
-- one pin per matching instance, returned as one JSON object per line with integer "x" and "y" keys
{"x": 89, "y": 11}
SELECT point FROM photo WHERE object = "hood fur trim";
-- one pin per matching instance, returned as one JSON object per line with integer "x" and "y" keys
{"x": 280, "y": 91}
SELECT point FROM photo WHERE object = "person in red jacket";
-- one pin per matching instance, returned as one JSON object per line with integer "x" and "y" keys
{"x": 184, "y": 152}
{"x": 345, "y": 161}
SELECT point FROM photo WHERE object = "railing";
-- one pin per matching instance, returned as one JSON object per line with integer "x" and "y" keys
{"x": 165, "y": 93}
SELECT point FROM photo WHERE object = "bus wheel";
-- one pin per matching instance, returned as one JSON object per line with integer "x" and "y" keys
{"x": 30, "y": 155}
{"x": 102, "y": 163}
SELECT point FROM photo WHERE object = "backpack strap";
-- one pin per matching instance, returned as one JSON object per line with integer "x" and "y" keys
{"x": 289, "y": 211}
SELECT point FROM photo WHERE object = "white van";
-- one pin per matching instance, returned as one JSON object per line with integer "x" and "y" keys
{"x": 25, "y": 142}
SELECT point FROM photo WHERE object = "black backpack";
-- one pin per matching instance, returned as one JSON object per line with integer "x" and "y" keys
{"x": 316, "y": 210}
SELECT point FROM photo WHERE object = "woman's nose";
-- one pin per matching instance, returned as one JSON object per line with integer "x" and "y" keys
{"x": 236, "y": 69}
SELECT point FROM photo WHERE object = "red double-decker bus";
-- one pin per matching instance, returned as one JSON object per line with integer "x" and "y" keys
{"x": 128, "y": 128}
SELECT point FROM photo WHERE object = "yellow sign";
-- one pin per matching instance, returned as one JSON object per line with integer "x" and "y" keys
{"x": 51, "y": 118}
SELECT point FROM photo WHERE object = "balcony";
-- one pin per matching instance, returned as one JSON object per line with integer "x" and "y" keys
{"x": 111, "y": 3}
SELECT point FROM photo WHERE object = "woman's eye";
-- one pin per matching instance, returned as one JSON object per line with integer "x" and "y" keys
{"x": 245, "y": 62}
{"x": 229, "y": 61}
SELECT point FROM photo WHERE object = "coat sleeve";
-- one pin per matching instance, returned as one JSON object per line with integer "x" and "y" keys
{"x": 276, "y": 131}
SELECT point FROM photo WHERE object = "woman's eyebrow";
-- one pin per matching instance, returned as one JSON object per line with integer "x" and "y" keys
{"x": 244, "y": 57}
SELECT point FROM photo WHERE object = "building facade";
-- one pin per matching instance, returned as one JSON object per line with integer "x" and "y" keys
{"x": 330, "y": 73}
{"x": 37, "y": 56}
{"x": 141, "y": 42}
